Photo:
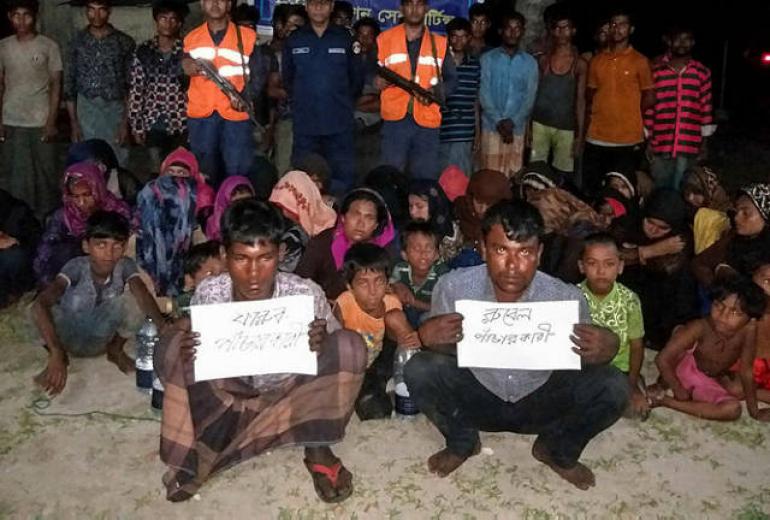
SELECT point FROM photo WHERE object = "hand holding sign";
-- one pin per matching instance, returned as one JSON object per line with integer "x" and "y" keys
{"x": 525, "y": 336}
{"x": 272, "y": 336}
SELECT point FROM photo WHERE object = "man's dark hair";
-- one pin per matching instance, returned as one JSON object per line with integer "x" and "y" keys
{"x": 367, "y": 21}
{"x": 170, "y": 6}
{"x": 342, "y": 6}
{"x": 478, "y": 10}
{"x": 32, "y": 6}
{"x": 520, "y": 220}
{"x": 282, "y": 12}
{"x": 365, "y": 257}
{"x": 418, "y": 228}
{"x": 107, "y": 224}
{"x": 198, "y": 254}
{"x": 560, "y": 14}
{"x": 509, "y": 15}
{"x": 600, "y": 238}
{"x": 373, "y": 197}
{"x": 751, "y": 297}
{"x": 458, "y": 24}
{"x": 680, "y": 28}
{"x": 250, "y": 221}
{"x": 621, "y": 11}
{"x": 245, "y": 14}
{"x": 103, "y": 3}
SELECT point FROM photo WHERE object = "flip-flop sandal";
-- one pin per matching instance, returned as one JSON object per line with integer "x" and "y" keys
{"x": 332, "y": 474}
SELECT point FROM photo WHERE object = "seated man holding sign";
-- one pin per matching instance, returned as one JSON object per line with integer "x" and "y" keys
{"x": 565, "y": 408}
{"x": 209, "y": 424}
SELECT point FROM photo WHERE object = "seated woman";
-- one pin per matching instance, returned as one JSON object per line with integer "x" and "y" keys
{"x": 182, "y": 163}
{"x": 749, "y": 238}
{"x": 166, "y": 213}
{"x": 301, "y": 202}
{"x": 485, "y": 189}
{"x": 657, "y": 256}
{"x": 19, "y": 234}
{"x": 708, "y": 204}
{"x": 428, "y": 203}
{"x": 120, "y": 182}
{"x": 364, "y": 217}
{"x": 209, "y": 426}
{"x": 83, "y": 192}
{"x": 232, "y": 189}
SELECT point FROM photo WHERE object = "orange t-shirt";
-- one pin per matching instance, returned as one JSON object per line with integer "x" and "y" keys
{"x": 371, "y": 329}
{"x": 619, "y": 79}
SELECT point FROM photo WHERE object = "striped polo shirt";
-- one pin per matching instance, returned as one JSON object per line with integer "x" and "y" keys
{"x": 682, "y": 113}
{"x": 458, "y": 118}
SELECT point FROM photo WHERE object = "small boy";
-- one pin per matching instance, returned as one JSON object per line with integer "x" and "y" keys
{"x": 83, "y": 312}
{"x": 413, "y": 279}
{"x": 367, "y": 309}
{"x": 695, "y": 362}
{"x": 202, "y": 260}
{"x": 615, "y": 306}
{"x": 761, "y": 370}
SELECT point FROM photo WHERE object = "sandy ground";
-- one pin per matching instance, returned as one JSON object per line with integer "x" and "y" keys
{"x": 106, "y": 466}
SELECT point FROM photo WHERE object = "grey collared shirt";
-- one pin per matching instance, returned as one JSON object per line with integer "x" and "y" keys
{"x": 473, "y": 283}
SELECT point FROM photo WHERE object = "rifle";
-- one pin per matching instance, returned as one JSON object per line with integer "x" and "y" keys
{"x": 228, "y": 89}
{"x": 410, "y": 87}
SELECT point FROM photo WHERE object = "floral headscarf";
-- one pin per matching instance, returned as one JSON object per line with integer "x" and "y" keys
{"x": 91, "y": 174}
{"x": 184, "y": 157}
{"x": 298, "y": 194}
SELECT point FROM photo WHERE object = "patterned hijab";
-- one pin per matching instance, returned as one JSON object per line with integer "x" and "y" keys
{"x": 222, "y": 202}
{"x": 183, "y": 157}
{"x": 439, "y": 208}
{"x": 92, "y": 175}
{"x": 166, "y": 211}
{"x": 299, "y": 195}
{"x": 704, "y": 181}
{"x": 759, "y": 193}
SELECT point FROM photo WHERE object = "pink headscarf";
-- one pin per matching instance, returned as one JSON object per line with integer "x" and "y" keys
{"x": 298, "y": 194}
{"x": 204, "y": 192}
{"x": 454, "y": 182}
{"x": 92, "y": 175}
{"x": 341, "y": 244}
{"x": 222, "y": 202}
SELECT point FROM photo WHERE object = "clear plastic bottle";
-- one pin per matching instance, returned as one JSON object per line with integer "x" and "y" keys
{"x": 405, "y": 407}
{"x": 157, "y": 394}
{"x": 146, "y": 339}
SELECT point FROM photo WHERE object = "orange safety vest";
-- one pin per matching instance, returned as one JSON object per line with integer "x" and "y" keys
{"x": 203, "y": 96}
{"x": 392, "y": 53}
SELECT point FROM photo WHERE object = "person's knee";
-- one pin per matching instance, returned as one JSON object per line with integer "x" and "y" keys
{"x": 351, "y": 349}
{"x": 611, "y": 386}
{"x": 425, "y": 367}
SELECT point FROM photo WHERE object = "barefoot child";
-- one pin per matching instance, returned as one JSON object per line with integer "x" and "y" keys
{"x": 413, "y": 279}
{"x": 202, "y": 260}
{"x": 367, "y": 309}
{"x": 82, "y": 312}
{"x": 695, "y": 362}
{"x": 615, "y": 306}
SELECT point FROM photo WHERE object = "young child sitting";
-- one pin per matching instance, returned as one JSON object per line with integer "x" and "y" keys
{"x": 367, "y": 309}
{"x": 83, "y": 312}
{"x": 413, "y": 279}
{"x": 695, "y": 362}
{"x": 615, "y": 306}
{"x": 202, "y": 260}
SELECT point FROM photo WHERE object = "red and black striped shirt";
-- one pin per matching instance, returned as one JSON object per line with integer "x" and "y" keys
{"x": 682, "y": 113}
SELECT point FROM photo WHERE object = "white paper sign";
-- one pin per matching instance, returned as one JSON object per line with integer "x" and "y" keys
{"x": 527, "y": 336}
{"x": 254, "y": 338}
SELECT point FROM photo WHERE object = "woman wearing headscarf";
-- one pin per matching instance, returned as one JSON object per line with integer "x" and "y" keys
{"x": 19, "y": 233}
{"x": 708, "y": 204}
{"x": 428, "y": 203}
{"x": 83, "y": 192}
{"x": 120, "y": 182}
{"x": 748, "y": 240}
{"x": 364, "y": 217}
{"x": 301, "y": 202}
{"x": 166, "y": 212}
{"x": 657, "y": 257}
{"x": 485, "y": 189}
{"x": 182, "y": 163}
{"x": 232, "y": 189}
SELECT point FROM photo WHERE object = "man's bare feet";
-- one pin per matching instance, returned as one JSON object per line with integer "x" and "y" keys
{"x": 444, "y": 462}
{"x": 579, "y": 475}
{"x": 116, "y": 355}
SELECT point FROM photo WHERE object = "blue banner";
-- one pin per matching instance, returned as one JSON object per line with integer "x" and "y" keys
{"x": 387, "y": 12}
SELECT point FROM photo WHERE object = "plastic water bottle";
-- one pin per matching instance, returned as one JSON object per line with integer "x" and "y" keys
{"x": 146, "y": 339}
{"x": 157, "y": 394}
{"x": 405, "y": 407}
